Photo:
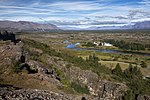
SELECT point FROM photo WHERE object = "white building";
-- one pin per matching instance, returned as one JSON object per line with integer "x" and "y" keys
{"x": 106, "y": 44}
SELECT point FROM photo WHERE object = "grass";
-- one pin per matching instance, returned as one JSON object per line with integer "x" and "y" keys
{"x": 112, "y": 64}
{"x": 24, "y": 80}
{"x": 145, "y": 71}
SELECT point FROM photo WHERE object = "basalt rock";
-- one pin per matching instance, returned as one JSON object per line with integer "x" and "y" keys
{"x": 101, "y": 88}
{"x": 28, "y": 94}
{"x": 8, "y": 92}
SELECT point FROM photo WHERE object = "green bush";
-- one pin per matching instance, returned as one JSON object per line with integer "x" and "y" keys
{"x": 16, "y": 66}
{"x": 89, "y": 44}
{"x": 79, "y": 88}
{"x": 66, "y": 83}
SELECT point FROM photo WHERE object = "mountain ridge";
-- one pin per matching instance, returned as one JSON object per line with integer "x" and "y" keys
{"x": 44, "y": 27}
{"x": 26, "y": 26}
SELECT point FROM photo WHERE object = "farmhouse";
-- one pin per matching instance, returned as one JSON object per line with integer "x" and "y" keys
{"x": 106, "y": 44}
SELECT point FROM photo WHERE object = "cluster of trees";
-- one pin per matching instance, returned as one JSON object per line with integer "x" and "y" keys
{"x": 134, "y": 79}
{"x": 5, "y": 35}
{"x": 89, "y": 44}
{"x": 126, "y": 45}
{"x": 129, "y": 73}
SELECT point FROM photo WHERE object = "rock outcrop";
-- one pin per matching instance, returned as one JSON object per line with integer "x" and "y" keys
{"x": 101, "y": 88}
{"x": 28, "y": 94}
{"x": 8, "y": 92}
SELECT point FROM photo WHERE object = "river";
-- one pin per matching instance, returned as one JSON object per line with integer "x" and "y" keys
{"x": 113, "y": 51}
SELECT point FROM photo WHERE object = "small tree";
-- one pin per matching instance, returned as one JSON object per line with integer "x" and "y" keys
{"x": 117, "y": 70}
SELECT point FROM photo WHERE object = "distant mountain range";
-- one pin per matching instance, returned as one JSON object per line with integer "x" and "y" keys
{"x": 26, "y": 26}
{"x": 136, "y": 25}
{"x": 142, "y": 25}
{"x": 32, "y": 26}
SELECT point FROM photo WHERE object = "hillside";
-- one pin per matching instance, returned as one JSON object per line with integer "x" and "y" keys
{"x": 26, "y": 26}
{"x": 29, "y": 67}
{"x": 38, "y": 66}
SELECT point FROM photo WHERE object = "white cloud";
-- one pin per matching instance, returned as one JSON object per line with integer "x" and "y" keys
{"x": 145, "y": 2}
{"x": 94, "y": 12}
{"x": 140, "y": 20}
{"x": 77, "y": 6}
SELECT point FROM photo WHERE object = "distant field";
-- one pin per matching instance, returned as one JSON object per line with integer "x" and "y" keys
{"x": 112, "y": 64}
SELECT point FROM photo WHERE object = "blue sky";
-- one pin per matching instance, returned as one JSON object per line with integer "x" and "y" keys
{"x": 76, "y": 13}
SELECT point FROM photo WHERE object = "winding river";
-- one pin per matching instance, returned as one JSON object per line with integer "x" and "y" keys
{"x": 113, "y": 51}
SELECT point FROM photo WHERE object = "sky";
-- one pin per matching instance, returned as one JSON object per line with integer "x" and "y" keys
{"x": 76, "y": 13}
